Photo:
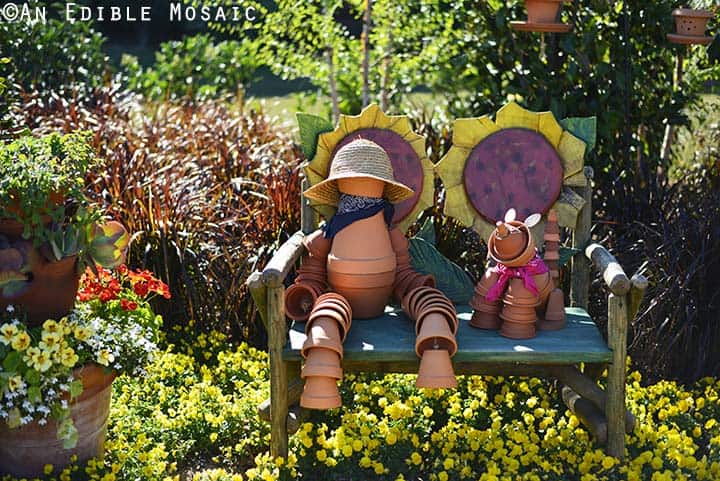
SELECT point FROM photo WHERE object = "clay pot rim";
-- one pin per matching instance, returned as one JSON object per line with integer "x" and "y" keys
{"x": 326, "y": 312}
{"x": 410, "y": 296}
{"x": 307, "y": 347}
{"x": 433, "y": 297}
{"x": 524, "y": 256}
{"x": 692, "y": 13}
{"x": 451, "y": 319}
{"x": 340, "y": 309}
{"x": 452, "y": 340}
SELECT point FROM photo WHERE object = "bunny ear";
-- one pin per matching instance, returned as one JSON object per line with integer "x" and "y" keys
{"x": 532, "y": 220}
{"x": 510, "y": 215}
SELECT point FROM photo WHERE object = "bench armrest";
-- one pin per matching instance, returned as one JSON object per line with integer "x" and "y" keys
{"x": 613, "y": 274}
{"x": 284, "y": 259}
{"x": 274, "y": 273}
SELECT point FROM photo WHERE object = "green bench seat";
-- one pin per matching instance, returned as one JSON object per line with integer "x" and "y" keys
{"x": 391, "y": 338}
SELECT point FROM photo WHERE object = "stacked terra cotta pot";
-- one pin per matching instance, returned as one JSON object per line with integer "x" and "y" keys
{"x": 311, "y": 280}
{"x": 528, "y": 301}
{"x": 436, "y": 325}
{"x": 326, "y": 330}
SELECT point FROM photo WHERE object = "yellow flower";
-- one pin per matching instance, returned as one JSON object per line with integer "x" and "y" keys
{"x": 37, "y": 359}
{"x": 105, "y": 357}
{"x": 14, "y": 383}
{"x": 7, "y": 333}
{"x": 82, "y": 333}
{"x": 391, "y": 438}
{"x": 321, "y": 455}
{"x": 416, "y": 458}
{"x": 21, "y": 341}
{"x": 47, "y": 469}
{"x": 68, "y": 357}
{"x": 52, "y": 326}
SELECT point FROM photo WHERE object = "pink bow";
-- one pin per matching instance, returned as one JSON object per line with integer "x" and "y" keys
{"x": 533, "y": 268}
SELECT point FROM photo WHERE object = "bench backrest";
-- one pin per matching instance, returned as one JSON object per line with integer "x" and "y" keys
{"x": 526, "y": 160}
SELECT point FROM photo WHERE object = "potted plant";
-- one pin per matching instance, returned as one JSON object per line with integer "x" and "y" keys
{"x": 49, "y": 230}
{"x": 691, "y": 23}
{"x": 55, "y": 379}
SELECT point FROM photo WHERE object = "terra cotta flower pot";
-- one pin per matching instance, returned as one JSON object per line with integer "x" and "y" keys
{"x": 436, "y": 370}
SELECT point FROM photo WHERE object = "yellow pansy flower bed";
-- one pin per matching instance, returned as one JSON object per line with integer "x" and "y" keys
{"x": 194, "y": 416}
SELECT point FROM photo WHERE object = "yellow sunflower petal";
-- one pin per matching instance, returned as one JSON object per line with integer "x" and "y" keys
{"x": 576, "y": 180}
{"x": 330, "y": 140}
{"x": 418, "y": 144}
{"x": 457, "y": 205}
{"x": 550, "y": 128}
{"x": 572, "y": 152}
{"x": 399, "y": 124}
{"x": 367, "y": 118}
{"x": 320, "y": 164}
{"x": 512, "y": 115}
{"x": 451, "y": 166}
{"x": 469, "y": 132}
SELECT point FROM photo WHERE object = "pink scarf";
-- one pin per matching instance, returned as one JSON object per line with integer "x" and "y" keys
{"x": 533, "y": 268}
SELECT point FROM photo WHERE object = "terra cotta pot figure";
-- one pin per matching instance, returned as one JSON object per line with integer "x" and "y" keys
{"x": 519, "y": 294}
{"x": 359, "y": 262}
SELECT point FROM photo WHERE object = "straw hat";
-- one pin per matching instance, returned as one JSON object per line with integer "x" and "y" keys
{"x": 359, "y": 158}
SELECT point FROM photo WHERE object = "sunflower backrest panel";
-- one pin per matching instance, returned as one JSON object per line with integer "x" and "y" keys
{"x": 523, "y": 160}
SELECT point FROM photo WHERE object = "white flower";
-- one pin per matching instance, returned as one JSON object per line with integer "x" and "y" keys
{"x": 10, "y": 308}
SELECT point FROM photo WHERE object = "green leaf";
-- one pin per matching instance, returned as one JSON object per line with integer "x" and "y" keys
{"x": 584, "y": 128}
{"x": 34, "y": 394}
{"x": 67, "y": 433}
{"x": 12, "y": 361}
{"x": 450, "y": 278}
{"x": 311, "y": 126}
{"x": 567, "y": 253}
{"x": 76, "y": 388}
{"x": 33, "y": 377}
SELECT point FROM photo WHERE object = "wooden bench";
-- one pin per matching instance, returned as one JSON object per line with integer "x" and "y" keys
{"x": 386, "y": 344}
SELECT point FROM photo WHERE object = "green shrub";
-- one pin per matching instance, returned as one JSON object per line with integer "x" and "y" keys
{"x": 54, "y": 55}
{"x": 195, "y": 67}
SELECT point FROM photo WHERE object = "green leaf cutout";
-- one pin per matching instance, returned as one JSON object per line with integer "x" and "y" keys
{"x": 584, "y": 128}
{"x": 311, "y": 126}
{"x": 567, "y": 253}
{"x": 450, "y": 277}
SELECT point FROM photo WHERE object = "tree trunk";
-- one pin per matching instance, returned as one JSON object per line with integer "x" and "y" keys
{"x": 333, "y": 85}
{"x": 365, "y": 41}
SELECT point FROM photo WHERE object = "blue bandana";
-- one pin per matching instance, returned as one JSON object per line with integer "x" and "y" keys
{"x": 352, "y": 208}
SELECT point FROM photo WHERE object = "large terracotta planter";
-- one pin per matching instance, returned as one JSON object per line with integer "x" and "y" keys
{"x": 14, "y": 228}
{"x": 51, "y": 292}
{"x": 26, "y": 450}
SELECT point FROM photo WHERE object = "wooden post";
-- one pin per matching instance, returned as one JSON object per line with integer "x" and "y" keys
{"x": 637, "y": 289}
{"x": 580, "y": 278}
{"x": 277, "y": 334}
{"x": 365, "y": 41}
{"x": 307, "y": 214}
{"x": 617, "y": 339}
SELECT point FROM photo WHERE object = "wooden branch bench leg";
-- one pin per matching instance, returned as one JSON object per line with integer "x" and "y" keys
{"x": 588, "y": 413}
{"x": 277, "y": 335}
{"x": 588, "y": 389}
{"x": 615, "y": 411}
